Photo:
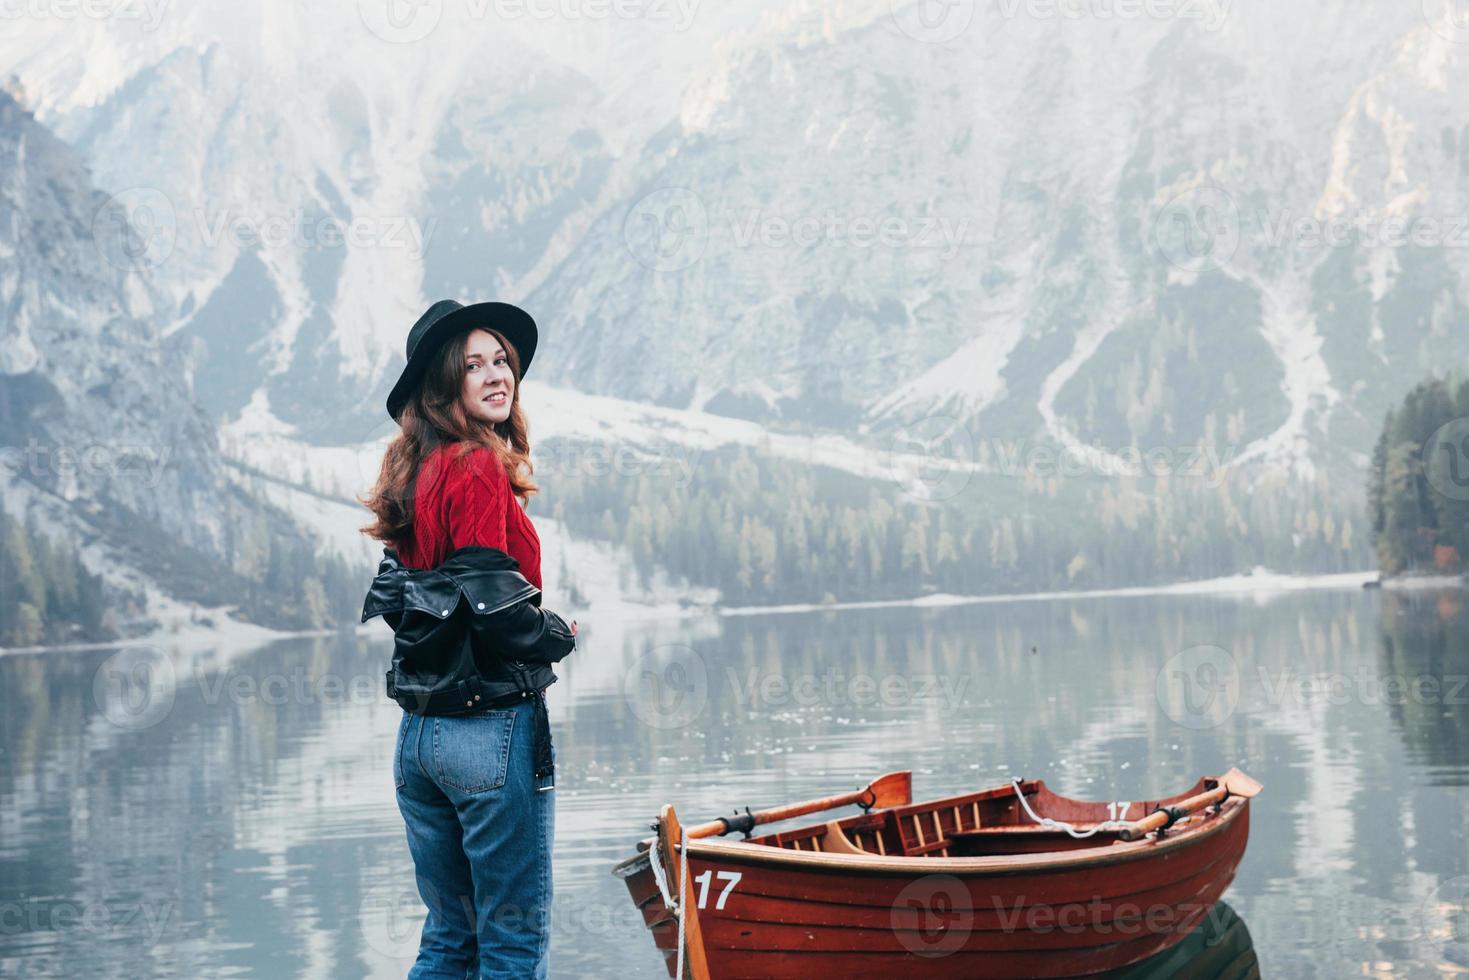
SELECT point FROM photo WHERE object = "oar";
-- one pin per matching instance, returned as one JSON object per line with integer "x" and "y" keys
{"x": 1232, "y": 783}
{"x": 893, "y": 789}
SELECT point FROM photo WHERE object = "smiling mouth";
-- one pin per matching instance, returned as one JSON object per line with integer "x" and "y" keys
{"x": 495, "y": 398}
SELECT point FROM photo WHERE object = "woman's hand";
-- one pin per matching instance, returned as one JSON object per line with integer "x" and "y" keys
{"x": 573, "y": 627}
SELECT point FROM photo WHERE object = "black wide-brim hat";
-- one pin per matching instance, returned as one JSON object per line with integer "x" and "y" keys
{"x": 447, "y": 318}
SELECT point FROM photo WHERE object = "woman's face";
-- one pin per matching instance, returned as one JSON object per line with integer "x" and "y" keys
{"x": 489, "y": 384}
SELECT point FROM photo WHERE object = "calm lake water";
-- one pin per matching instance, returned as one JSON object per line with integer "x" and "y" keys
{"x": 196, "y": 813}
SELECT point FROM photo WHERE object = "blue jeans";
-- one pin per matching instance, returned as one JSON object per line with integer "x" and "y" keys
{"x": 480, "y": 834}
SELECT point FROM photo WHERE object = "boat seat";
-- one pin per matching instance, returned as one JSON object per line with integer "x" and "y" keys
{"x": 835, "y": 841}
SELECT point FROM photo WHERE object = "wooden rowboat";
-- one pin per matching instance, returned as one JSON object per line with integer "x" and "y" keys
{"x": 995, "y": 883}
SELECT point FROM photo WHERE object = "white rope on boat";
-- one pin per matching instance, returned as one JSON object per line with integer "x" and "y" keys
{"x": 1051, "y": 824}
{"x": 676, "y": 907}
{"x": 660, "y": 877}
{"x": 683, "y": 884}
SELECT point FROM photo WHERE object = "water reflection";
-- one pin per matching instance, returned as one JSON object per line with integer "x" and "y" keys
{"x": 1219, "y": 949}
{"x": 1425, "y": 646}
{"x": 208, "y": 813}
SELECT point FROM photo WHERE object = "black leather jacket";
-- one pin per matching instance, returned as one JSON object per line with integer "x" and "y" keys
{"x": 468, "y": 635}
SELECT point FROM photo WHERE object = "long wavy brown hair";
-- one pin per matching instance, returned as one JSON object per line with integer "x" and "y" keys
{"x": 434, "y": 417}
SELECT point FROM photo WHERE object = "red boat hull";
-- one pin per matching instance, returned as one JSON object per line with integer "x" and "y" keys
{"x": 775, "y": 912}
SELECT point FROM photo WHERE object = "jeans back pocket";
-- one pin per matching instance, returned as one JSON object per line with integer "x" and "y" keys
{"x": 472, "y": 752}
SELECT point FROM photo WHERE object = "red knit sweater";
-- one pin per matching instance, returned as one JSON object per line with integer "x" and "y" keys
{"x": 468, "y": 501}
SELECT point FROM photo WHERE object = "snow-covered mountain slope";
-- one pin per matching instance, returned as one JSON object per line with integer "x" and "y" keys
{"x": 103, "y": 445}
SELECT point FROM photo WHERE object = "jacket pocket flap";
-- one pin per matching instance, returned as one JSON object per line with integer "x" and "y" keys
{"x": 425, "y": 591}
{"x": 491, "y": 591}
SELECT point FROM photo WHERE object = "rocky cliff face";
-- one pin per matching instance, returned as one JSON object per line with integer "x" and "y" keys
{"x": 103, "y": 442}
{"x": 1093, "y": 232}
{"x": 1040, "y": 221}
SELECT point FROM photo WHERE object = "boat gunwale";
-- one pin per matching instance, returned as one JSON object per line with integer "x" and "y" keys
{"x": 988, "y": 865}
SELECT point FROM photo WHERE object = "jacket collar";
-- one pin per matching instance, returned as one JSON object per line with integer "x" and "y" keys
{"x": 488, "y": 578}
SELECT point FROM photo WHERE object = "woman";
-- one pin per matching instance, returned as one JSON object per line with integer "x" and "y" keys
{"x": 459, "y": 584}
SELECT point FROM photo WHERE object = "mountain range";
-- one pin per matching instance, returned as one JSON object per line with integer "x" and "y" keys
{"x": 1237, "y": 228}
